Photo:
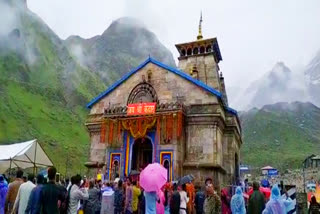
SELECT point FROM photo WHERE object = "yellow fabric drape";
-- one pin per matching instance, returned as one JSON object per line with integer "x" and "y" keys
{"x": 138, "y": 127}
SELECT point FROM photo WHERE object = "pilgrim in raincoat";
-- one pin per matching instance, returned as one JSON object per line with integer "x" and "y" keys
{"x": 237, "y": 202}
{"x": 277, "y": 205}
{"x": 3, "y": 193}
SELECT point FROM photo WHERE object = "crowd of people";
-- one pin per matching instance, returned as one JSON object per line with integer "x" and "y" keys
{"x": 30, "y": 195}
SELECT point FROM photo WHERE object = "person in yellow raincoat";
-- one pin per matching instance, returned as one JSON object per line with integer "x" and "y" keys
{"x": 136, "y": 192}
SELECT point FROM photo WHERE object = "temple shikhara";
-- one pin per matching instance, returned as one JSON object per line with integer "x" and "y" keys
{"x": 178, "y": 117}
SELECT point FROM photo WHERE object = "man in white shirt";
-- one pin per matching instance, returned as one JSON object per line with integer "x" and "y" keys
{"x": 183, "y": 199}
{"x": 24, "y": 192}
{"x": 107, "y": 203}
{"x": 76, "y": 194}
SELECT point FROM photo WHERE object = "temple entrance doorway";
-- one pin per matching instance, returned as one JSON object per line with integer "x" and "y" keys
{"x": 141, "y": 153}
{"x": 166, "y": 165}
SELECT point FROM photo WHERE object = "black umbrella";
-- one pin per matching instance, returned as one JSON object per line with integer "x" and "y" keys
{"x": 186, "y": 179}
{"x": 134, "y": 172}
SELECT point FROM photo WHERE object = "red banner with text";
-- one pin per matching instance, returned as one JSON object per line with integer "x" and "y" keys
{"x": 141, "y": 108}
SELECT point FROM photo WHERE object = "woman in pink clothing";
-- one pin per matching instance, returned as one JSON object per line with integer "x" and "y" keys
{"x": 160, "y": 202}
{"x": 225, "y": 199}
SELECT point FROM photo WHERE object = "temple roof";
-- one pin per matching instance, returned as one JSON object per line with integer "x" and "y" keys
{"x": 201, "y": 42}
{"x": 168, "y": 68}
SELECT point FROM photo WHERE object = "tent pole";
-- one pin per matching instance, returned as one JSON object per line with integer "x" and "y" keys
{"x": 34, "y": 159}
{"x": 10, "y": 169}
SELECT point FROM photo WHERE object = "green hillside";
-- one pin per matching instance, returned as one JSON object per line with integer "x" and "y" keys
{"x": 44, "y": 88}
{"x": 280, "y": 135}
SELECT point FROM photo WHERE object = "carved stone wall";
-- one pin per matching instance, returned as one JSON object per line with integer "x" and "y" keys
{"x": 200, "y": 143}
{"x": 207, "y": 69}
{"x": 97, "y": 149}
{"x": 169, "y": 87}
{"x": 210, "y": 136}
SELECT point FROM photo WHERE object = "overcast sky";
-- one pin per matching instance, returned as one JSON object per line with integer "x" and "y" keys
{"x": 253, "y": 34}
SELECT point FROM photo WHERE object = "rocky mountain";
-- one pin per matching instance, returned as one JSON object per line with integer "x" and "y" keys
{"x": 281, "y": 135}
{"x": 312, "y": 74}
{"x": 44, "y": 84}
{"x": 126, "y": 38}
{"x": 43, "y": 89}
{"x": 280, "y": 84}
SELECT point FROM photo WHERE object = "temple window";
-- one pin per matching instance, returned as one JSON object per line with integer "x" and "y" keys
{"x": 149, "y": 75}
{"x": 208, "y": 49}
{"x": 195, "y": 50}
{"x": 183, "y": 52}
{"x": 189, "y": 52}
{"x": 201, "y": 49}
{"x": 143, "y": 93}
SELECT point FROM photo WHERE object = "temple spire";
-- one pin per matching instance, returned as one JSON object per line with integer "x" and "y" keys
{"x": 200, "y": 29}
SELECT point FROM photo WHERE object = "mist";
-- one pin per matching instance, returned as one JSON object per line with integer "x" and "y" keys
{"x": 78, "y": 52}
{"x": 12, "y": 32}
{"x": 252, "y": 35}
{"x": 280, "y": 84}
{"x": 9, "y": 20}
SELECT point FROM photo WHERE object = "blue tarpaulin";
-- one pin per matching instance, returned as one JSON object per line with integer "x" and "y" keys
{"x": 272, "y": 172}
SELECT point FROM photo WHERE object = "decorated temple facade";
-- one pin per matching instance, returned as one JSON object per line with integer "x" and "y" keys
{"x": 178, "y": 117}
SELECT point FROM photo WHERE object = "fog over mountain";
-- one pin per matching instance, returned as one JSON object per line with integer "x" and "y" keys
{"x": 312, "y": 74}
{"x": 126, "y": 38}
{"x": 45, "y": 82}
{"x": 280, "y": 84}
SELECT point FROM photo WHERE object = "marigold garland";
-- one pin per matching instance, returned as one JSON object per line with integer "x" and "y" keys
{"x": 119, "y": 130}
{"x": 169, "y": 126}
{"x": 110, "y": 132}
{"x": 138, "y": 127}
{"x": 103, "y": 132}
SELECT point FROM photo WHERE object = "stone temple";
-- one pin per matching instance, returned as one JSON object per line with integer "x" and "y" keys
{"x": 178, "y": 117}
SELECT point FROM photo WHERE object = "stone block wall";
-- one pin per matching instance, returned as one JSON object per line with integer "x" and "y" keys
{"x": 207, "y": 69}
{"x": 169, "y": 87}
{"x": 97, "y": 149}
{"x": 205, "y": 140}
{"x": 200, "y": 143}
{"x": 219, "y": 146}
{"x": 233, "y": 149}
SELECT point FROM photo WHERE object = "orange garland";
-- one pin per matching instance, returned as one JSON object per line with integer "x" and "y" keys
{"x": 119, "y": 130}
{"x": 110, "y": 132}
{"x": 138, "y": 127}
{"x": 169, "y": 126}
{"x": 103, "y": 132}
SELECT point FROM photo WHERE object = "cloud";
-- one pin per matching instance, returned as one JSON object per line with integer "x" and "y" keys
{"x": 13, "y": 35}
{"x": 8, "y": 19}
{"x": 253, "y": 35}
{"x": 77, "y": 51}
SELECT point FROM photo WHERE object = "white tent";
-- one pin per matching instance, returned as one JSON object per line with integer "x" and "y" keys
{"x": 23, "y": 155}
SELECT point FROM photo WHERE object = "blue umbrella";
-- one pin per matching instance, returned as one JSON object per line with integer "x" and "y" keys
{"x": 44, "y": 172}
{"x": 186, "y": 179}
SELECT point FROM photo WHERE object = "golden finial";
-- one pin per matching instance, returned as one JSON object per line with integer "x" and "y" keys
{"x": 191, "y": 69}
{"x": 200, "y": 30}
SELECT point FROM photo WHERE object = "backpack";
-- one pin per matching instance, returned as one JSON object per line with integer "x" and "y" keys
{"x": 65, "y": 204}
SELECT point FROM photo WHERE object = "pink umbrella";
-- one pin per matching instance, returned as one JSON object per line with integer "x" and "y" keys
{"x": 153, "y": 177}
